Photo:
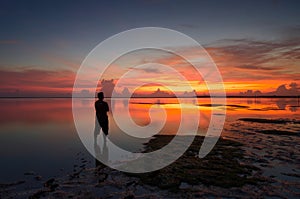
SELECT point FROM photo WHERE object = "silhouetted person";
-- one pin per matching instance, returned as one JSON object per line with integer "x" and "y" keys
{"x": 101, "y": 115}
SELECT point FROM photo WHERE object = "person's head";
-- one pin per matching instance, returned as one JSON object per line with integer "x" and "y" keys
{"x": 101, "y": 95}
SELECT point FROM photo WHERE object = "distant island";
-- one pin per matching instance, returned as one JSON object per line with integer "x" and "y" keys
{"x": 282, "y": 90}
{"x": 108, "y": 86}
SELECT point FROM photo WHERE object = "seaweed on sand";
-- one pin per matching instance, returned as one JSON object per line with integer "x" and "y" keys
{"x": 221, "y": 167}
{"x": 269, "y": 121}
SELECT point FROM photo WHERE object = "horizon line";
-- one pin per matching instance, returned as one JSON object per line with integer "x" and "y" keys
{"x": 229, "y": 96}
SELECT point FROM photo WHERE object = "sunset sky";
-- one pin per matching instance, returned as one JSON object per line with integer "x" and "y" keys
{"x": 255, "y": 44}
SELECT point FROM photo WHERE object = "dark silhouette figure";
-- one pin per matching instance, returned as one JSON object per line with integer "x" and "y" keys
{"x": 101, "y": 115}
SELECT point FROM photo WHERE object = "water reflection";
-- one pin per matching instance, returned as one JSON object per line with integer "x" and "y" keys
{"x": 101, "y": 151}
{"x": 35, "y": 111}
{"x": 236, "y": 108}
{"x": 36, "y": 133}
{"x": 291, "y": 103}
{"x": 39, "y": 111}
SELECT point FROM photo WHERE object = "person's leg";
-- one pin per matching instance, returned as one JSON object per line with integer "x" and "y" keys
{"x": 104, "y": 126}
{"x": 105, "y": 129}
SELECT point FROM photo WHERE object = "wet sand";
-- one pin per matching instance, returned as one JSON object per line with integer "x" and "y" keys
{"x": 189, "y": 176}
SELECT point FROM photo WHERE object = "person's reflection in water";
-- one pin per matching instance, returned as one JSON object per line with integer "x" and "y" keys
{"x": 101, "y": 155}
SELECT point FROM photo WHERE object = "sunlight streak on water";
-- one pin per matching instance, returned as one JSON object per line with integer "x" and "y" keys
{"x": 39, "y": 134}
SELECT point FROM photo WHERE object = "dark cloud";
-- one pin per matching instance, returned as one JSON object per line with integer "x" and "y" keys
{"x": 148, "y": 69}
{"x": 250, "y": 67}
{"x": 275, "y": 59}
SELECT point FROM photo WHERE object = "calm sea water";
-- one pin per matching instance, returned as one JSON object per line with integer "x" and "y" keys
{"x": 39, "y": 135}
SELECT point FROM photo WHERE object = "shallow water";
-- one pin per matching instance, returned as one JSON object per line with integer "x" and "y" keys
{"x": 38, "y": 135}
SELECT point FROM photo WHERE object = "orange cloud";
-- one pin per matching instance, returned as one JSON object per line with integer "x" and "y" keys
{"x": 244, "y": 65}
{"x": 35, "y": 82}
